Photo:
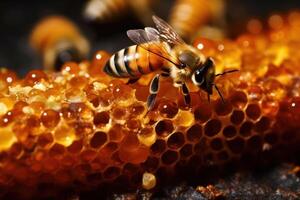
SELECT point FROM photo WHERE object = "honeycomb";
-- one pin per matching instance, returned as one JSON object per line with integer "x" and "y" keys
{"x": 80, "y": 129}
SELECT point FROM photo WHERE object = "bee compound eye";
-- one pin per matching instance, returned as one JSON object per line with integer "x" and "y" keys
{"x": 198, "y": 77}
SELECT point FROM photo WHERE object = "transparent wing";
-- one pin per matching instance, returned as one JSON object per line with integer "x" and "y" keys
{"x": 150, "y": 40}
{"x": 166, "y": 32}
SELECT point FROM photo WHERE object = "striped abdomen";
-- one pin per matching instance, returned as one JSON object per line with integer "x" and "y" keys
{"x": 133, "y": 61}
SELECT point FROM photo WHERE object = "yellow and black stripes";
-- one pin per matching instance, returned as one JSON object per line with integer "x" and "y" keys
{"x": 133, "y": 61}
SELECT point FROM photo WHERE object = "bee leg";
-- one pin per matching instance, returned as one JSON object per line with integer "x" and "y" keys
{"x": 132, "y": 81}
{"x": 154, "y": 86}
{"x": 220, "y": 94}
{"x": 186, "y": 94}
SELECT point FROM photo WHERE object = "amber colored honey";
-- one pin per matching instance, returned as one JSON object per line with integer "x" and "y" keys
{"x": 82, "y": 128}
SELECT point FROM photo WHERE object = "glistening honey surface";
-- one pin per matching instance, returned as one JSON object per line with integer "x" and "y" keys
{"x": 81, "y": 129}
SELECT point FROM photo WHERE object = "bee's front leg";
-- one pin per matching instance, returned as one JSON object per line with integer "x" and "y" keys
{"x": 186, "y": 94}
{"x": 154, "y": 87}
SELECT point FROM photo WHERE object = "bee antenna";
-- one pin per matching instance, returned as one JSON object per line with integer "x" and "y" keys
{"x": 226, "y": 72}
{"x": 220, "y": 94}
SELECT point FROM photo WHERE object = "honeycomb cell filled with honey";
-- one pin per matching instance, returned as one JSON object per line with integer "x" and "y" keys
{"x": 82, "y": 129}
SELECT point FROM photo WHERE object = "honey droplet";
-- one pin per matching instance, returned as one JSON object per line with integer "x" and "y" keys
{"x": 168, "y": 108}
{"x": 6, "y": 104}
{"x": 149, "y": 181}
{"x": 8, "y": 76}
{"x": 50, "y": 118}
{"x": 34, "y": 77}
{"x": 71, "y": 68}
{"x": 64, "y": 135}
{"x": 122, "y": 92}
{"x": 184, "y": 118}
{"x": 147, "y": 136}
{"x": 7, "y": 118}
{"x": 7, "y": 138}
{"x": 78, "y": 82}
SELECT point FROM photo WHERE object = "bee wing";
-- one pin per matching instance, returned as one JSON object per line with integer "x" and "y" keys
{"x": 150, "y": 40}
{"x": 166, "y": 32}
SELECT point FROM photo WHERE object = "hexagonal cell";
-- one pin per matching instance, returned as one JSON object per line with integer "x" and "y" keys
{"x": 263, "y": 124}
{"x": 45, "y": 139}
{"x": 229, "y": 131}
{"x": 108, "y": 149}
{"x": 216, "y": 144}
{"x": 169, "y": 157}
{"x": 167, "y": 108}
{"x": 158, "y": 147}
{"x": 75, "y": 147}
{"x": 136, "y": 109}
{"x": 115, "y": 133}
{"x": 130, "y": 169}
{"x": 237, "y": 117}
{"x": 255, "y": 93}
{"x": 194, "y": 133}
{"x": 238, "y": 99}
{"x": 101, "y": 118}
{"x": 184, "y": 118}
{"x": 98, "y": 139}
{"x": 57, "y": 151}
{"x": 151, "y": 164}
{"x": 176, "y": 140}
{"x": 111, "y": 173}
{"x": 203, "y": 112}
{"x": 253, "y": 111}
{"x": 222, "y": 108}
{"x": 236, "y": 145}
{"x": 246, "y": 129}
{"x": 133, "y": 124}
{"x": 201, "y": 146}
{"x": 186, "y": 150}
{"x": 254, "y": 143}
{"x": 119, "y": 113}
{"x": 88, "y": 155}
{"x": 164, "y": 127}
{"x": 212, "y": 127}
{"x": 64, "y": 135}
{"x": 133, "y": 154}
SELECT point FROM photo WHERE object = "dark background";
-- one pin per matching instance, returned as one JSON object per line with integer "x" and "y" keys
{"x": 18, "y": 17}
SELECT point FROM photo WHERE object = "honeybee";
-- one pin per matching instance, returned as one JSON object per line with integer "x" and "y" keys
{"x": 189, "y": 15}
{"x": 162, "y": 50}
{"x": 111, "y": 10}
{"x": 58, "y": 40}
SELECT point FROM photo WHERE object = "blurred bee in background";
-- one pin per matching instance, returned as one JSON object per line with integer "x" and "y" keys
{"x": 187, "y": 17}
{"x": 162, "y": 50}
{"x": 58, "y": 40}
{"x": 109, "y": 10}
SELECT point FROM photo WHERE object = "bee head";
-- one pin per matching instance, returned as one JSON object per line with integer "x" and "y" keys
{"x": 188, "y": 58}
{"x": 204, "y": 75}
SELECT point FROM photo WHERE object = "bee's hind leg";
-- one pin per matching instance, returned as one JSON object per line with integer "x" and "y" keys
{"x": 186, "y": 94}
{"x": 154, "y": 87}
